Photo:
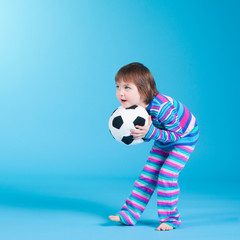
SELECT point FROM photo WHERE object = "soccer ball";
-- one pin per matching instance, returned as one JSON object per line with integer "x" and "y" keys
{"x": 125, "y": 119}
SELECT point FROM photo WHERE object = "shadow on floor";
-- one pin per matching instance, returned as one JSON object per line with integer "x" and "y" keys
{"x": 35, "y": 201}
{"x": 150, "y": 223}
{"x": 13, "y": 197}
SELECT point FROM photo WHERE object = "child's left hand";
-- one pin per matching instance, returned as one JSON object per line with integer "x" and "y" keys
{"x": 141, "y": 131}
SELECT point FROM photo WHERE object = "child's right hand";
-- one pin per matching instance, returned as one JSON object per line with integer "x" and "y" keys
{"x": 141, "y": 131}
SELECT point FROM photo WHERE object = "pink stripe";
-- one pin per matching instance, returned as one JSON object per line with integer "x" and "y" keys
{"x": 161, "y": 98}
{"x": 168, "y": 174}
{"x": 166, "y": 212}
{"x": 138, "y": 196}
{"x": 137, "y": 215}
{"x": 165, "y": 154}
{"x": 171, "y": 220}
{"x": 185, "y": 118}
{"x": 169, "y": 184}
{"x": 179, "y": 155}
{"x": 167, "y": 113}
{"x": 145, "y": 188}
{"x": 167, "y": 203}
{"x": 189, "y": 149}
{"x": 161, "y": 133}
{"x": 154, "y": 160}
{"x": 168, "y": 133}
{"x": 160, "y": 151}
{"x": 173, "y": 164}
{"x": 155, "y": 130}
{"x": 127, "y": 218}
{"x": 150, "y": 170}
{"x": 151, "y": 181}
{"x": 135, "y": 205}
{"x": 173, "y": 121}
{"x": 174, "y": 129}
{"x": 168, "y": 194}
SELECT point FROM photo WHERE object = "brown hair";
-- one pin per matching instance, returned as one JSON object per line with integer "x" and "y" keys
{"x": 140, "y": 75}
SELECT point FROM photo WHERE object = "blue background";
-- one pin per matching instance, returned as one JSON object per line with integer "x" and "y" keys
{"x": 58, "y": 60}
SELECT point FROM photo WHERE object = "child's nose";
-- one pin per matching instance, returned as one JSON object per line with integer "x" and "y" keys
{"x": 121, "y": 92}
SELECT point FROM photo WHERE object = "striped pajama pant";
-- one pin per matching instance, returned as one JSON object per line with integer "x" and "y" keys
{"x": 161, "y": 170}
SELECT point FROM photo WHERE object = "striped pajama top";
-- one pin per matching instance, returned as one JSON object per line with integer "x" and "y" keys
{"x": 172, "y": 122}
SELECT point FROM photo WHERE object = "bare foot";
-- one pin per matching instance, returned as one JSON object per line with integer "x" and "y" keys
{"x": 164, "y": 227}
{"x": 115, "y": 218}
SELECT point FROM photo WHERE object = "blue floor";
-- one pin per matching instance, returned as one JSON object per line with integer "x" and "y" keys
{"x": 77, "y": 208}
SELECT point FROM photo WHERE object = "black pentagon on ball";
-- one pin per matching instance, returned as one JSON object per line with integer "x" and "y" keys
{"x": 132, "y": 107}
{"x": 139, "y": 121}
{"x": 127, "y": 140}
{"x": 117, "y": 122}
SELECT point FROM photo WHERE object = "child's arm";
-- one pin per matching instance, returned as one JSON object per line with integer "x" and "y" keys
{"x": 141, "y": 131}
{"x": 161, "y": 135}
{"x": 172, "y": 130}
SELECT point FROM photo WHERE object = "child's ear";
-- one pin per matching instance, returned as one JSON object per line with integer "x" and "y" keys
{"x": 145, "y": 100}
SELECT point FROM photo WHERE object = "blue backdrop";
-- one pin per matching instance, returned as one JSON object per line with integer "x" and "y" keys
{"x": 57, "y": 66}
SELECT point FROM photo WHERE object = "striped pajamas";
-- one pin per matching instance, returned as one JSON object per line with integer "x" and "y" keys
{"x": 175, "y": 132}
{"x": 161, "y": 171}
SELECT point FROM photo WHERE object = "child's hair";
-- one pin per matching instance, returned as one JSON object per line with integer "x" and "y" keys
{"x": 140, "y": 75}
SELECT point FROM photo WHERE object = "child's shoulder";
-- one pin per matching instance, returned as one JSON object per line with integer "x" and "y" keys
{"x": 158, "y": 103}
{"x": 161, "y": 99}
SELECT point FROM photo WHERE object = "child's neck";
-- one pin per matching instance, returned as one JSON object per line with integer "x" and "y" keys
{"x": 143, "y": 105}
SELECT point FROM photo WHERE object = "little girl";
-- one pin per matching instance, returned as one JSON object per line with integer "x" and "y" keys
{"x": 175, "y": 133}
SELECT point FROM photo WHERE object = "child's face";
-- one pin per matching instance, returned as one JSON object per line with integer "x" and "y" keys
{"x": 128, "y": 95}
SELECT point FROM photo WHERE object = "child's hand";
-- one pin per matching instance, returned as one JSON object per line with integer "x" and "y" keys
{"x": 141, "y": 131}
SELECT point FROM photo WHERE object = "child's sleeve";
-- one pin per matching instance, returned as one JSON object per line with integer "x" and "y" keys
{"x": 171, "y": 131}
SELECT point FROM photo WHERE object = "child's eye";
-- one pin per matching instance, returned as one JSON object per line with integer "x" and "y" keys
{"x": 117, "y": 86}
{"x": 127, "y": 87}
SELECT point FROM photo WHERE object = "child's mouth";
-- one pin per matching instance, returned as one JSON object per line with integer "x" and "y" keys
{"x": 123, "y": 101}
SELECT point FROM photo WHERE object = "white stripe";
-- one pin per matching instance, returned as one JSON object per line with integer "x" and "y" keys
{"x": 160, "y": 109}
{"x": 182, "y": 154}
{"x": 148, "y": 177}
{"x": 174, "y": 162}
{"x": 166, "y": 201}
{"x": 129, "y": 219}
{"x": 138, "y": 204}
{"x": 134, "y": 212}
{"x": 168, "y": 191}
{"x": 170, "y": 113}
{"x": 190, "y": 126}
{"x": 159, "y": 159}
{"x": 144, "y": 185}
{"x": 169, "y": 98}
{"x": 169, "y": 171}
{"x": 151, "y": 167}
{"x": 140, "y": 194}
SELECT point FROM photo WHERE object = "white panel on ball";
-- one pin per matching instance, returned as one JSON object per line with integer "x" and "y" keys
{"x": 123, "y": 120}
